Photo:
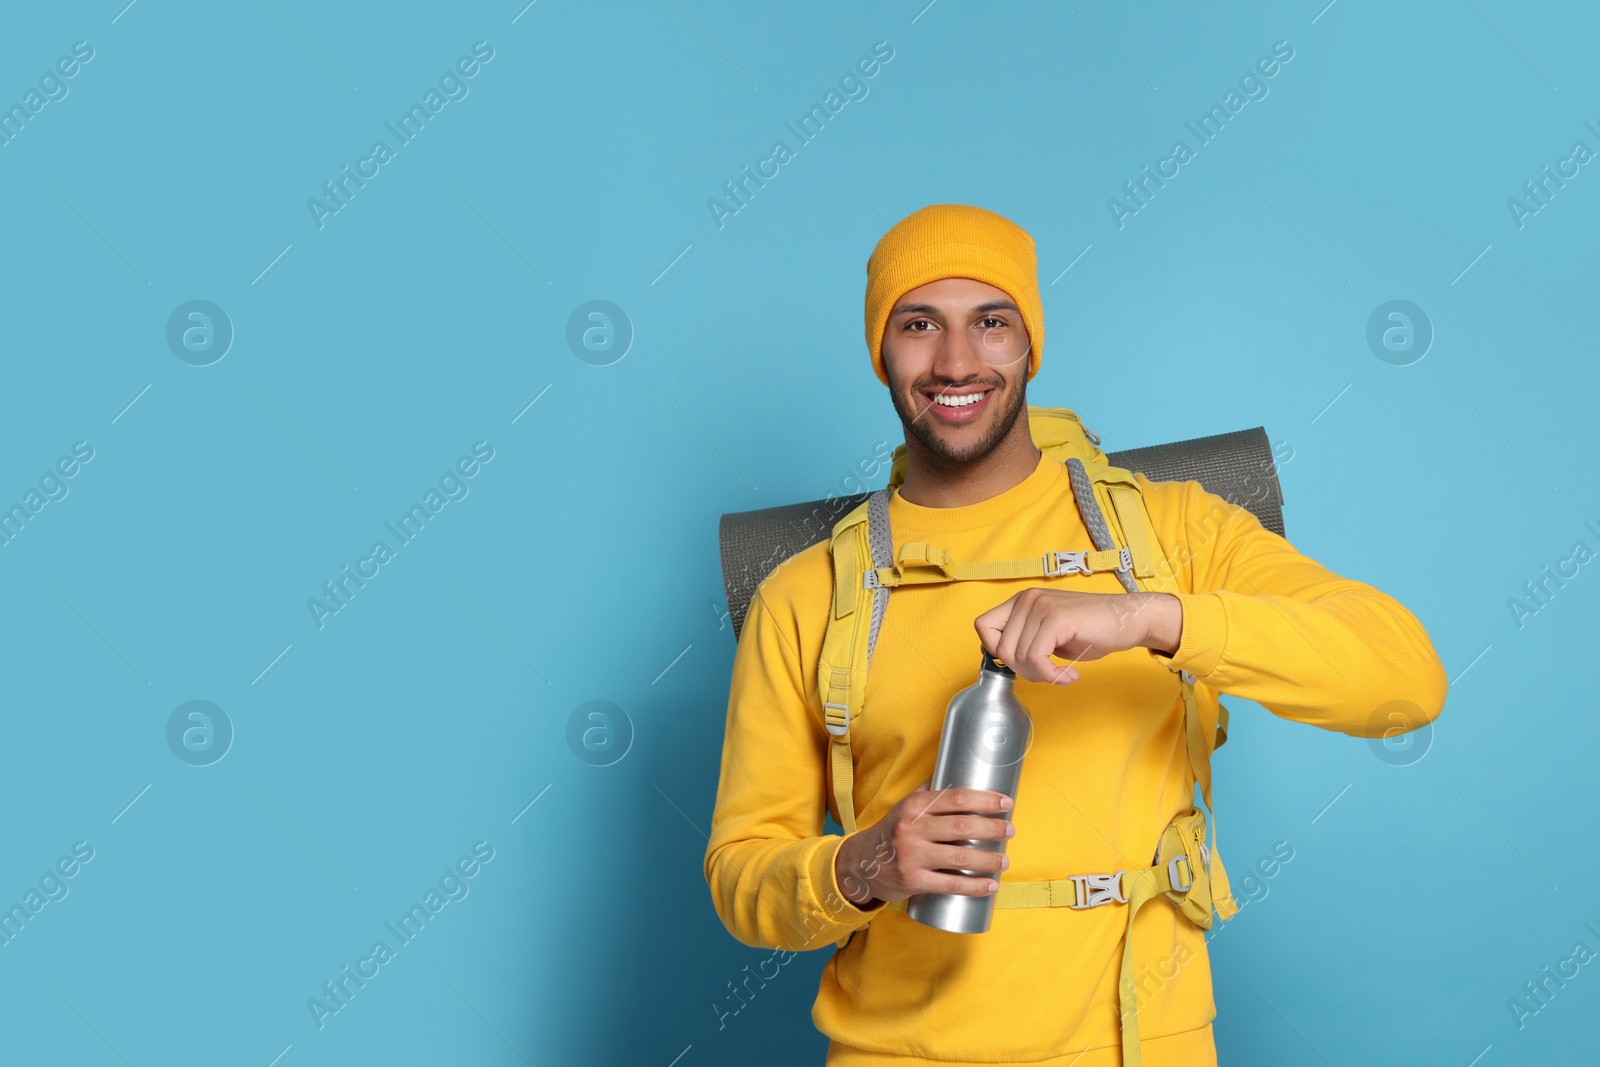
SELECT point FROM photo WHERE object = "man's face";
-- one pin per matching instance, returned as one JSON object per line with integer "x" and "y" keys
{"x": 945, "y": 343}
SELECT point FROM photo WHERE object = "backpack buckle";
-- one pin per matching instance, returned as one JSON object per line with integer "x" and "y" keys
{"x": 1172, "y": 873}
{"x": 1057, "y": 563}
{"x": 1096, "y": 889}
{"x": 869, "y": 578}
{"x": 837, "y": 717}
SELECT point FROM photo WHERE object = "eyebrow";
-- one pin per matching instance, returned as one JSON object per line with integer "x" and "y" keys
{"x": 929, "y": 309}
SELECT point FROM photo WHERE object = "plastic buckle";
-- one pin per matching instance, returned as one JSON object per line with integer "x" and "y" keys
{"x": 1057, "y": 563}
{"x": 1097, "y": 889}
{"x": 1126, "y": 556}
{"x": 869, "y": 578}
{"x": 1172, "y": 874}
{"x": 842, "y": 728}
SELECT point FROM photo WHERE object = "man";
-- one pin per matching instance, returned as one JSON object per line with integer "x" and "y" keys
{"x": 955, "y": 330}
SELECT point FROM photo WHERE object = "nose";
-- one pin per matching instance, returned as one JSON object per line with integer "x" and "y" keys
{"x": 959, "y": 356}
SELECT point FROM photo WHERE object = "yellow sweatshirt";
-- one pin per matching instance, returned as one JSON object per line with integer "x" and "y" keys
{"x": 1107, "y": 770}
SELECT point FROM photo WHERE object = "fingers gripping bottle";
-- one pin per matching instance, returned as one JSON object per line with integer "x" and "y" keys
{"x": 986, "y": 734}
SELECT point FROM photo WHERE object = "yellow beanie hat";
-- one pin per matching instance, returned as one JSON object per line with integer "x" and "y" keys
{"x": 953, "y": 241}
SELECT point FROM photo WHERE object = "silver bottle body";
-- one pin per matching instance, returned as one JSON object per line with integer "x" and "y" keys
{"x": 986, "y": 734}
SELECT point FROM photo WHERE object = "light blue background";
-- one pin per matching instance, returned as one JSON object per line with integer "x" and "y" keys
{"x": 430, "y": 712}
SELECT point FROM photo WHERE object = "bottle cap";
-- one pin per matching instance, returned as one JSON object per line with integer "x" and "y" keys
{"x": 994, "y": 665}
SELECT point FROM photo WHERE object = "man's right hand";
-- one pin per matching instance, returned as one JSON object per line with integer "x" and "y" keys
{"x": 905, "y": 852}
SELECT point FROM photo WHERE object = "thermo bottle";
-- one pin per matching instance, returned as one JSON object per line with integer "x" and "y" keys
{"x": 986, "y": 734}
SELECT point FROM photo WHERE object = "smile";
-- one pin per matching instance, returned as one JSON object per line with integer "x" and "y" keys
{"x": 958, "y": 407}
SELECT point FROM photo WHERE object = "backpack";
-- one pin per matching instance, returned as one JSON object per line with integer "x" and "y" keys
{"x": 866, "y": 567}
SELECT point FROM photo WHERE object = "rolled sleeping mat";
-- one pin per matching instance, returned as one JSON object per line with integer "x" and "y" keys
{"x": 1236, "y": 466}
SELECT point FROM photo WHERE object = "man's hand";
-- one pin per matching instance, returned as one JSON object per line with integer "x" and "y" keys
{"x": 1026, "y": 630}
{"x": 903, "y": 853}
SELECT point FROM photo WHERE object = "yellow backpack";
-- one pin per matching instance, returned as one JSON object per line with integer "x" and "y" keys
{"x": 866, "y": 567}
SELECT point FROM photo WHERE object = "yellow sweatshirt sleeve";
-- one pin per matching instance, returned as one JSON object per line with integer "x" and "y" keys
{"x": 770, "y": 869}
{"x": 1265, "y": 623}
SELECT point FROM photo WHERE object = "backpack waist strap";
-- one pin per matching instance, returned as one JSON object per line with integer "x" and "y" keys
{"x": 1183, "y": 872}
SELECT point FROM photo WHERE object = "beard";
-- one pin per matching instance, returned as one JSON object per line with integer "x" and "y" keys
{"x": 971, "y": 448}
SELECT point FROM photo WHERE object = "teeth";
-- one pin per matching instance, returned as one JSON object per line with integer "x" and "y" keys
{"x": 959, "y": 401}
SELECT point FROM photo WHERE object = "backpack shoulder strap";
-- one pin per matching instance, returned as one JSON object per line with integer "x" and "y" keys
{"x": 860, "y": 543}
{"x": 1123, "y": 517}
{"x": 1127, "y": 521}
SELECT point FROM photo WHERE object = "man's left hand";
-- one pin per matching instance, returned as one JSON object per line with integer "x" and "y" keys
{"x": 1030, "y": 627}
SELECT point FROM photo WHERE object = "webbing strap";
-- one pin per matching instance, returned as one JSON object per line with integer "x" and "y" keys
{"x": 1055, "y": 893}
{"x": 1073, "y": 891}
{"x": 1129, "y": 506}
{"x": 920, "y": 563}
{"x": 1145, "y": 886}
{"x": 1200, "y": 759}
{"x": 843, "y": 781}
{"x": 1194, "y": 737}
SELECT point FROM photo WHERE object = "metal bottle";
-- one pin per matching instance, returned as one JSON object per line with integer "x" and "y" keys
{"x": 986, "y": 734}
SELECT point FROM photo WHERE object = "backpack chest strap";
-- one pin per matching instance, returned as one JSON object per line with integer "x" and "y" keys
{"x": 920, "y": 563}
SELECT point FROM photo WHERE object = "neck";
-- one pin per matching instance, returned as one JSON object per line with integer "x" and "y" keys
{"x": 933, "y": 481}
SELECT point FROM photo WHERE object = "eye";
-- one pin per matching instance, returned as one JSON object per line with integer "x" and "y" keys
{"x": 916, "y": 322}
{"x": 996, "y": 321}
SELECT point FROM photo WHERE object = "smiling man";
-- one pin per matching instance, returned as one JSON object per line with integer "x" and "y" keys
{"x": 955, "y": 330}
